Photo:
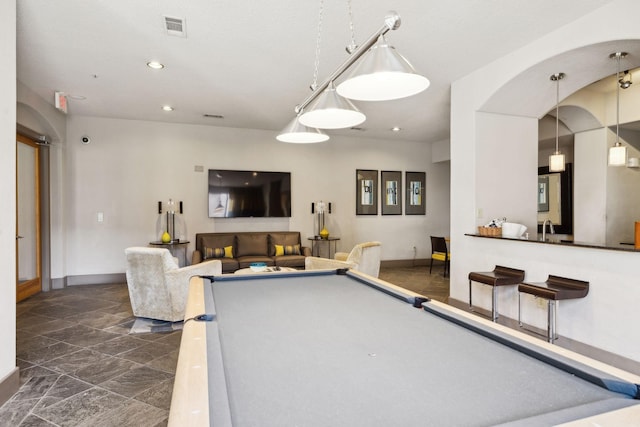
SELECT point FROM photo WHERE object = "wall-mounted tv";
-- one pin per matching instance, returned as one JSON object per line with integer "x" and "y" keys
{"x": 236, "y": 194}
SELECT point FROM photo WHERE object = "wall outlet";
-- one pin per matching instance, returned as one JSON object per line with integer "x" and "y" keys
{"x": 100, "y": 217}
{"x": 198, "y": 168}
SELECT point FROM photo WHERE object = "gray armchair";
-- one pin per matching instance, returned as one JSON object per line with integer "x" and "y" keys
{"x": 158, "y": 288}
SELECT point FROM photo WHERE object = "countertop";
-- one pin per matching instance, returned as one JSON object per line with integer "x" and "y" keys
{"x": 625, "y": 247}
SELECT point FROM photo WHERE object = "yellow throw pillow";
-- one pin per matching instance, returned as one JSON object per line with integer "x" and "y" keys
{"x": 228, "y": 251}
{"x": 213, "y": 253}
{"x": 279, "y": 250}
{"x": 292, "y": 250}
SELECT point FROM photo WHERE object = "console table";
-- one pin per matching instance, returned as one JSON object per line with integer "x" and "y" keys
{"x": 177, "y": 248}
{"x": 316, "y": 242}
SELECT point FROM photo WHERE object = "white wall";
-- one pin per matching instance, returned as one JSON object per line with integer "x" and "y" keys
{"x": 441, "y": 151}
{"x": 505, "y": 151}
{"x": 131, "y": 165}
{"x": 590, "y": 187}
{"x": 606, "y": 318}
{"x": 8, "y": 187}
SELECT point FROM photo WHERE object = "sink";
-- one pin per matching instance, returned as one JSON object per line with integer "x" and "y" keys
{"x": 513, "y": 230}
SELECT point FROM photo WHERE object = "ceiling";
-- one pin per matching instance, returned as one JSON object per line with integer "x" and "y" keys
{"x": 253, "y": 62}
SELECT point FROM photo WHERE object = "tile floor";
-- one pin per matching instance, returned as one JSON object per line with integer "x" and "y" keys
{"x": 80, "y": 367}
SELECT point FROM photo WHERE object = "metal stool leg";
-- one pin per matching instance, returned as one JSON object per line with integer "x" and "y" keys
{"x": 519, "y": 310}
{"x": 551, "y": 320}
{"x": 470, "y": 304}
{"x": 494, "y": 304}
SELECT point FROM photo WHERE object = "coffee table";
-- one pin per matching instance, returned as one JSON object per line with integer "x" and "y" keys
{"x": 268, "y": 270}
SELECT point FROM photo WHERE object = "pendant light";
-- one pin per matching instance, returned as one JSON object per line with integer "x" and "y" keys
{"x": 382, "y": 74}
{"x": 331, "y": 111}
{"x": 556, "y": 160}
{"x": 297, "y": 133}
{"x": 618, "y": 153}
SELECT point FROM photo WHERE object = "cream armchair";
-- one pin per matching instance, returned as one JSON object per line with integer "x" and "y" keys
{"x": 158, "y": 288}
{"x": 316, "y": 263}
{"x": 364, "y": 257}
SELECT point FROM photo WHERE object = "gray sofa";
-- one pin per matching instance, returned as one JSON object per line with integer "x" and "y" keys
{"x": 239, "y": 250}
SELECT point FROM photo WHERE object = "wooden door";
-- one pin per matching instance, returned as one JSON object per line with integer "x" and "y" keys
{"x": 28, "y": 243}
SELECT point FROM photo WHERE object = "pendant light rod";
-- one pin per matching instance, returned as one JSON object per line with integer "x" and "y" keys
{"x": 617, "y": 153}
{"x": 391, "y": 22}
{"x": 557, "y": 159}
{"x": 617, "y": 56}
{"x": 556, "y": 78}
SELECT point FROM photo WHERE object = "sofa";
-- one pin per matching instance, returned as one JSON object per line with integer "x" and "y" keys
{"x": 239, "y": 250}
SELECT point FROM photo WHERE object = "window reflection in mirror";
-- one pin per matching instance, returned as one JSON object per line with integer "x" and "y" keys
{"x": 555, "y": 199}
{"x": 549, "y": 197}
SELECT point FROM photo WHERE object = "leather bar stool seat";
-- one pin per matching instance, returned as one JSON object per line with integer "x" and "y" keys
{"x": 500, "y": 276}
{"x": 554, "y": 289}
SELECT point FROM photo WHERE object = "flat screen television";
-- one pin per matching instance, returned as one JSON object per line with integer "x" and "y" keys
{"x": 236, "y": 194}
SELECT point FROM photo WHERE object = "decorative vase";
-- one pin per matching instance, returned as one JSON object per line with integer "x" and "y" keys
{"x": 324, "y": 233}
{"x": 166, "y": 237}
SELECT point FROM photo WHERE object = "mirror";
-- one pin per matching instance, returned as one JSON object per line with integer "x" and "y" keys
{"x": 605, "y": 202}
{"x": 555, "y": 199}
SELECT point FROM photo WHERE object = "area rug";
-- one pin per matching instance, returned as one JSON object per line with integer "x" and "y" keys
{"x": 143, "y": 325}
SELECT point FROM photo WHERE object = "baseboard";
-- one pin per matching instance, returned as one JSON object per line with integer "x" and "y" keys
{"x": 9, "y": 385}
{"x": 88, "y": 279}
{"x": 564, "y": 342}
{"x": 399, "y": 263}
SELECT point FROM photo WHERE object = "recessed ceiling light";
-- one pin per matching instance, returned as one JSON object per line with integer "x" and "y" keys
{"x": 167, "y": 108}
{"x": 396, "y": 129}
{"x": 155, "y": 65}
{"x": 78, "y": 97}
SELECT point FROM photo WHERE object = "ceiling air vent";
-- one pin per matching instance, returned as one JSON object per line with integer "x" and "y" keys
{"x": 175, "y": 26}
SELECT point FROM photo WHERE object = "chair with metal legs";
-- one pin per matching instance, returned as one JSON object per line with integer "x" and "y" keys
{"x": 440, "y": 252}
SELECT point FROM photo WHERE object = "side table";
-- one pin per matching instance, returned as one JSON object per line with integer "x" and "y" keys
{"x": 178, "y": 249}
{"x": 316, "y": 242}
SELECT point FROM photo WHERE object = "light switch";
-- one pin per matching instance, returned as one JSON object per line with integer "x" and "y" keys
{"x": 100, "y": 217}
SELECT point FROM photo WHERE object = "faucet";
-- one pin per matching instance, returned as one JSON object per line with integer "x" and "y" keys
{"x": 544, "y": 229}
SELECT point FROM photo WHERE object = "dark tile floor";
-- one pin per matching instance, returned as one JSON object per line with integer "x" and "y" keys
{"x": 80, "y": 367}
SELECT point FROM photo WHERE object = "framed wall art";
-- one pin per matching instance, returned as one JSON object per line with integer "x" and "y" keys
{"x": 366, "y": 192}
{"x": 391, "y": 192}
{"x": 416, "y": 193}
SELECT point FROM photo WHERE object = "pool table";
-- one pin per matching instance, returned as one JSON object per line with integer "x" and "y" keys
{"x": 339, "y": 348}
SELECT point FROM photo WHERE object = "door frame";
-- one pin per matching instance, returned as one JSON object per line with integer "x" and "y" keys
{"x": 33, "y": 286}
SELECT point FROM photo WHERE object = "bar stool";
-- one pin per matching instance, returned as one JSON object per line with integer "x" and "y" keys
{"x": 554, "y": 289}
{"x": 500, "y": 276}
